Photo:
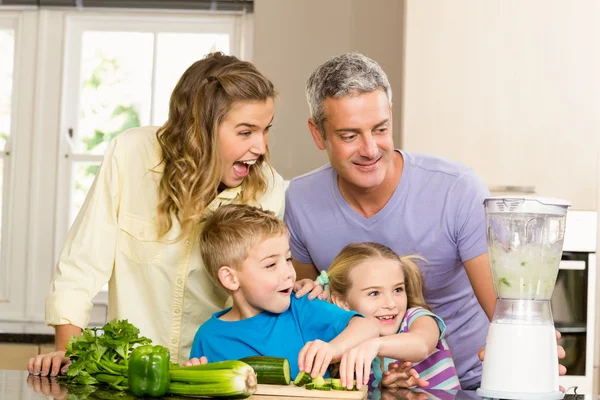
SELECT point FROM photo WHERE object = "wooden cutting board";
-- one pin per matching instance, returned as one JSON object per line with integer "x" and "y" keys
{"x": 280, "y": 391}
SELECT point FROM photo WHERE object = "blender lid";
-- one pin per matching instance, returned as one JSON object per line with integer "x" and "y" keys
{"x": 526, "y": 204}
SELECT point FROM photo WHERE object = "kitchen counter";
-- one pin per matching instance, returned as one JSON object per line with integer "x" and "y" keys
{"x": 18, "y": 385}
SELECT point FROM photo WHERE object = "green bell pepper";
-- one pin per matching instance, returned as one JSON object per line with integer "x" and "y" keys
{"x": 149, "y": 371}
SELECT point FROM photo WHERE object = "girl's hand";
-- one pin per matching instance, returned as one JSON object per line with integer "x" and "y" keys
{"x": 304, "y": 286}
{"x": 195, "y": 361}
{"x": 402, "y": 376}
{"x": 315, "y": 357}
{"x": 358, "y": 359}
{"x": 49, "y": 364}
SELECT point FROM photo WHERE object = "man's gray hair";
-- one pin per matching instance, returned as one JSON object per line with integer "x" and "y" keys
{"x": 346, "y": 74}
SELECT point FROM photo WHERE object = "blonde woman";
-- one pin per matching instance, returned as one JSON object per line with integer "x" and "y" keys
{"x": 138, "y": 227}
{"x": 373, "y": 280}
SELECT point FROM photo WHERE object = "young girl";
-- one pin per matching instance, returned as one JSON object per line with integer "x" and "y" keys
{"x": 373, "y": 280}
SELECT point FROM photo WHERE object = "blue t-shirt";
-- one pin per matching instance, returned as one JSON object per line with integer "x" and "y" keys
{"x": 268, "y": 334}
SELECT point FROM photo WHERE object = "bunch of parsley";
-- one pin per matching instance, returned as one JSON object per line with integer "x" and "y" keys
{"x": 102, "y": 354}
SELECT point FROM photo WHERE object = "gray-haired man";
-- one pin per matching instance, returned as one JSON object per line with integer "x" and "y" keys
{"x": 413, "y": 203}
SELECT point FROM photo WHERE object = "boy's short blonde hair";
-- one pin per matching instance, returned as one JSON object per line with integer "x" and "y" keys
{"x": 229, "y": 233}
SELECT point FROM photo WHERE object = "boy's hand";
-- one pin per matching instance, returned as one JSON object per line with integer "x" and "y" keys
{"x": 304, "y": 286}
{"x": 358, "y": 359}
{"x": 195, "y": 361}
{"x": 402, "y": 376}
{"x": 315, "y": 357}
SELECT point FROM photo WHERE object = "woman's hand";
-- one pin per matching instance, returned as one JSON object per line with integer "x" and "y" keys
{"x": 49, "y": 364}
{"x": 402, "y": 376}
{"x": 49, "y": 387}
{"x": 358, "y": 359}
{"x": 304, "y": 286}
{"x": 315, "y": 357}
{"x": 195, "y": 361}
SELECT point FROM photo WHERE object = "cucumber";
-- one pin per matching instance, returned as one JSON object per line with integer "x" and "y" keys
{"x": 270, "y": 370}
{"x": 321, "y": 383}
{"x": 302, "y": 379}
{"x": 309, "y": 386}
{"x": 336, "y": 384}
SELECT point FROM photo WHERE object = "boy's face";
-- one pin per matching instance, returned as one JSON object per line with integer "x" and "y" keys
{"x": 378, "y": 292}
{"x": 266, "y": 277}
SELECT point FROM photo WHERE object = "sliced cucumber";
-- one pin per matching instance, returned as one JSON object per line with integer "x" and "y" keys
{"x": 309, "y": 386}
{"x": 302, "y": 379}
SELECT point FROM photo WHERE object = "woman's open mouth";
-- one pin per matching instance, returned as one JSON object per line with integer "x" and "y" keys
{"x": 241, "y": 169}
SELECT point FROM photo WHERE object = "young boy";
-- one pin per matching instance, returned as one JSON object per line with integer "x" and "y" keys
{"x": 246, "y": 251}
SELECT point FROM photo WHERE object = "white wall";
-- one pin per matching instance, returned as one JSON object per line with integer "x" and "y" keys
{"x": 293, "y": 37}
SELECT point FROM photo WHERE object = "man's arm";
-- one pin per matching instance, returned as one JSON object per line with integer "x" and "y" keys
{"x": 305, "y": 271}
{"x": 480, "y": 275}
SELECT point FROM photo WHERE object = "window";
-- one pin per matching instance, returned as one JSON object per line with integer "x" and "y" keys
{"x": 7, "y": 50}
{"x": 119, "y": 74}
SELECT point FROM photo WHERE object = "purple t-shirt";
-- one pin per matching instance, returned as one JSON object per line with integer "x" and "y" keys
{"x": 436, "y": 212}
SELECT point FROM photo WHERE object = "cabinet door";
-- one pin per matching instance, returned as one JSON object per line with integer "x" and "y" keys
{"x": 510, "y": 89}
{"x": 16, "y": 356}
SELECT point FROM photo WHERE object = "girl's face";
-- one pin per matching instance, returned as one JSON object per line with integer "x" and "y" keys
{"x": 377, "y": 291}
{"x": 243, "y": 138}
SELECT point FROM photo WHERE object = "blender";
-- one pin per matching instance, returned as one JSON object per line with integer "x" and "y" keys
{"x": 524, "y": 237}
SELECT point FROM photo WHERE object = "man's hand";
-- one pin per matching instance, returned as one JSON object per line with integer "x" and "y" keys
{"x": 304, "y": 286}
{"x": 562, "y": 370}
{"x": 195, "y": 361}
{"x": 402, "y": 376}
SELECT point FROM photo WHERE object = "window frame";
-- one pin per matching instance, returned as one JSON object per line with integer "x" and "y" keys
{"x": 233, "y": 24}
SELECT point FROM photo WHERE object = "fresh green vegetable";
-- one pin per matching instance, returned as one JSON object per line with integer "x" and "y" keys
{"x": 102, "y": 355}
{"x": 118, "y": 357}
{"x": 149, "y": 371}
{"x": 302, "y": 379}
{"x": 336, "y": 384}
{"x": 309, "y": 386}
{"x": 231, "y": 379}
{"x": 270, "y": 370}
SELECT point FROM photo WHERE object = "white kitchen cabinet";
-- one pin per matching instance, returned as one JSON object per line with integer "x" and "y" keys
{"x": 509, "y": 88}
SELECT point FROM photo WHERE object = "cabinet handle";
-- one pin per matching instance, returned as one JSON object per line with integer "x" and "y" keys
{"x": 573, "y": 265}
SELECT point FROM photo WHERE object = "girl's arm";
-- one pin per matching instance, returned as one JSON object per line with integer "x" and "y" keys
{"x": 358, "y": 330}
{"x": 414, "y": 345}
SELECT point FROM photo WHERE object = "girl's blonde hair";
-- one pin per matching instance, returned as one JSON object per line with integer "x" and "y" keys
{"x": 189, "y": 141}
{"x": 356, "y": 253}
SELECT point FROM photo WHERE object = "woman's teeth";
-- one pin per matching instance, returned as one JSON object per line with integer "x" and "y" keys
{"x": 250, "y": 162}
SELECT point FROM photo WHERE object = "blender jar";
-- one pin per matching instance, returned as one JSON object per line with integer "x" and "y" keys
{"x": 525, "y": 239}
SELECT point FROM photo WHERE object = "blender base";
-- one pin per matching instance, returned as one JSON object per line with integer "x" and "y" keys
{"x": 493, "y": 394}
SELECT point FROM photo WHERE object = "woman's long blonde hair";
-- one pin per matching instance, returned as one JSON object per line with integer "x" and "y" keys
{"x": 189, "y": 141}
{"x": 356, "y": 253}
